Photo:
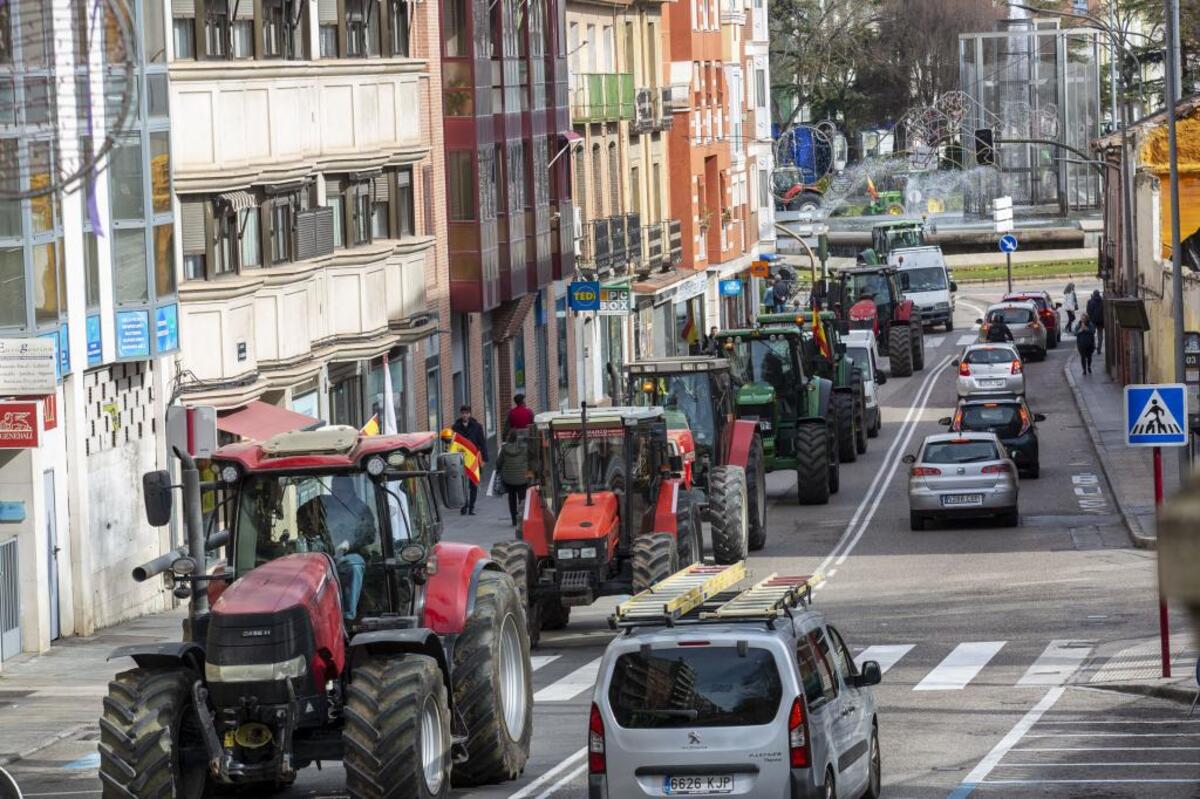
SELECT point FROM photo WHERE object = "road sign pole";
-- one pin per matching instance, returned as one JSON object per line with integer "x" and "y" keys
{"x": 1164, "y": 628}
{"x": 1008, "y": 260}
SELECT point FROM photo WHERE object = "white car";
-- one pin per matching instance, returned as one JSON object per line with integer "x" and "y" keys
{"x": 860, "y": 346}
{"x": 990, "y": 369}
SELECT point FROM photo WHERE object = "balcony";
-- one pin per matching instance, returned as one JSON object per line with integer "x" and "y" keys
{"x": 602, "y": 97}
{"x": 664, "y": 246}
{"x": 651, "y": 112}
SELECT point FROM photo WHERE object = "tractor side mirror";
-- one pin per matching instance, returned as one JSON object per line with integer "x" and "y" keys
{"x": 945, "y": 420}
{"x": 870, "y": 675}
{"x": 954, "y": 363}
{"x": 953, "y": 286}
{"x": 909, "y": 459}
{"x": 676, "y": 463}
{"x": 1039, "y": 417}
{"x": 156, "y": 493}
{"x": 905, "y": 283}
{"x": 881, "y": 376}
{"x": 453, "y": 480}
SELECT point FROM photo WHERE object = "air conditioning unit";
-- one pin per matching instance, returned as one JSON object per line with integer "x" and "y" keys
{"x": 675, "y": 98}
{"x": 643, "y": 118}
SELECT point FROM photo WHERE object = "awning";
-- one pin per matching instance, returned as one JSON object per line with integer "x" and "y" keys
{"x": 260, "y": 420}
{"x": 238, "y": 200}
{"x": 570, "y": 136}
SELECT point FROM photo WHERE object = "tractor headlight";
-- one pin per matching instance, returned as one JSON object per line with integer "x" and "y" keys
{"x": 568, "y": 554}
{"x": 257, "y": 672}
{"x": 229, "y": 473}
{"x": 375, "y": 465}
{"x": 587, "y": 552}
{"x": 396, "y": 459}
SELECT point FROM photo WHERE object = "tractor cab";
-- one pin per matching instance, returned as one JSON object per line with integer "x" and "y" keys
{"x": 888, "y": 236}
{"x": 768, "y": 371}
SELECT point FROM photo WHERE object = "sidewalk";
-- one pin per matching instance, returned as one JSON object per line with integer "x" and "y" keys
{"x": 1129, "y": 470}
{"x": 490, "y": 523}
{"x": 1136, "y": 669}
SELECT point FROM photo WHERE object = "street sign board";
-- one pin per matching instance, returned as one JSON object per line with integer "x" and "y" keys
{"x": 584, "y": 295}
{"x": 615, "y": 300}
{"x": 1008, "y": 243}
{"x": 731, "y": 288}
{"x": 19, "y": 426}
{"x": 760, "y": 269}
{"x": 1002, "y": 215}
{"x": 1191, "y": 357}
{"x": 192, "y": 429}
{"x": 1156, "y": 415}
{"x": 28, "y": 365}
{"x": 1004, "y": 227}
{"x": 1002, "y": 202}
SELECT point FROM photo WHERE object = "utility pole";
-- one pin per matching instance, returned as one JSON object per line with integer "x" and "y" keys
{"x": 1172, "y": 92}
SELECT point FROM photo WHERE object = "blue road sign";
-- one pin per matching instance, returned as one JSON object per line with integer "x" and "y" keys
{"x": 1156, "y": 415}
{"x": 584, "y": 295}
{"x": 1008, "y": 243}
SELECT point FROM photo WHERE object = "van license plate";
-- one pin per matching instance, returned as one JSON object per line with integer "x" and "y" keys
{"x": 962, "y": 499}
{"x": 688, "y": 786}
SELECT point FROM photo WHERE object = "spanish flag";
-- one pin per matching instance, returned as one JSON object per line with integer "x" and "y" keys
{"x": 819, "y": 333}
{"x": 871, "y": 190}
{"x": 371, "y": 428}
{"x": 690, "y": 333}
{"x": 471, "y": 460}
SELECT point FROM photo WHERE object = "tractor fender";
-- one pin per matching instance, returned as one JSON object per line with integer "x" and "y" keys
{"x": 904, "y": 312}
{"x": 450, "y": 590}
{"x": 415, "y": 641}
{"x": 167, "y": 653}
{"x": 537, "y": 523}
{"x": 741, "y": 440}
{"x": 665, "y": 508}
{"x": 819, "y": 399}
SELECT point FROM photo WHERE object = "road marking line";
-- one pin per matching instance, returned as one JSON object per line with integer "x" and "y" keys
{"x": 567, "y": 779}
{"x": 1116, "y": 735}
{"x": 571, "y": 686}
{"x": 960, "y": 666}
{"x": 985, "y": 766}
{"x": 1109, "y": 749}
{"x": 1081, "y": 782}
{"x": 87, "y": 761}
{"x": 1130, "y": 721}
{"x": 1088, "y": 765}
{"x": 969, "y": 338}
{"x": 528, "y": 790}
{"x": 1057, "y": 663}
{"x": 537, "y": 661}
{"x": 933, "y": 342}
{"x": 886, "y": 655}
{"x": 915, "y": 414}
{"x": 65, "y": 793}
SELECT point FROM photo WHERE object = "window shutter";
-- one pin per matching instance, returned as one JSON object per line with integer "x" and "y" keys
{"x": 382, "y": 188}
{"x": 183, "y": 8}
{"x": 191, "y": 220}
{"x": 323, "y": 234}
{"x": 327, "y": 12}
{"x": 427, "y": 198}
{"x": 314, "y": 233}
{"x": 241, "y": 9}
{"x": 332, "y": 184}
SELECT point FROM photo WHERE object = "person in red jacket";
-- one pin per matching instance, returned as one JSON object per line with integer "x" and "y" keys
{"x": 520, "y": 416}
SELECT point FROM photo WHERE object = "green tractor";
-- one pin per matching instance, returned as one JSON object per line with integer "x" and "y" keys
{"x": 831, "y": 363}
{"x": 888, "y": 236}
{"x": 795, "y": 409}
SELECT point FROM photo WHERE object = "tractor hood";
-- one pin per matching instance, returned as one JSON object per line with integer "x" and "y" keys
{"x": 578, "y": 521}
{"x": 756, "y": 393}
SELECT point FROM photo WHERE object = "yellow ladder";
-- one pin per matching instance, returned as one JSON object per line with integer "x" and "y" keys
{"x": 681, "y": 593}
{"x": 766, "y": 599}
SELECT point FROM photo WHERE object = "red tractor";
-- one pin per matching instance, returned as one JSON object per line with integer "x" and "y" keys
{"x": 607, "y": 512}
{"x": 872, "y": 298}
{"x": 338, "y": 627}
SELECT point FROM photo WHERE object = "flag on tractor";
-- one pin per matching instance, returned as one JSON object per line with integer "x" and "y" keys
{"x": 819, "y": 332}
{"x": 471, "y": 460}
{"x": 871, "y": 190}
{"x": 371, "y": 428}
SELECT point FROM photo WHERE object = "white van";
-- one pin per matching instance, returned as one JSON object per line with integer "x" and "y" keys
{"x": 926, "y": 281}
{"x": 860, "y": 346}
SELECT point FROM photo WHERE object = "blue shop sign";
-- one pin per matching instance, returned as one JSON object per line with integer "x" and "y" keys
{"x": 731, "y": 288}
{"x": 166, "y": 326}
{"x": 57, "y": 338}
{"x": 584, "y": 295}
{"x": 95, "y": 346}
{"x": 64, "y": 350}
{"x": 133, "y": 334}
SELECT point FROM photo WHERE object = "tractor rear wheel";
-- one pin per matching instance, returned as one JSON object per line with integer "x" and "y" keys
{"x": 756, "y": 495}
{"x": 397, "y": 733}
{"x": 847, "y": 434}
{"x": 860, "y": 411}
{"x": 150, "y": 742}
{"x": 900, "y": 354}
{"x": 812, "y": 453}
{"x": 655, "y": 558}
{"x": 492, "y": 682}
{"x": 728, "y": 518}
{"x": 918, "y": 348}
{"x": 519, "y": 562}
{"x": 688, "y": 530}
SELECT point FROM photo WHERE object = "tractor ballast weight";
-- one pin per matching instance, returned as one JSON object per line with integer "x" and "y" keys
{"x": 337, "y": 627}
{"x": 605, "y": 513}
{"x": 872, "y": 297}
{"x": 795, "y": 410}
{"x": 698, "y": 397}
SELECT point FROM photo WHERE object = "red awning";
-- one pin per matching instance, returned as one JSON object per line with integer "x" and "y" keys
{"x": 261, "y": 420}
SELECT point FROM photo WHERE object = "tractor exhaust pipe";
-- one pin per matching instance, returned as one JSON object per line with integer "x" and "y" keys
{"x": 193, "y": 522}
{"x": 157, "y": 566}
{"x": 587, "y": 462}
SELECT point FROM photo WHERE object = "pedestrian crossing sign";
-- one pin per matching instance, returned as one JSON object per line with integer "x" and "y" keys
{"x": 1156, "y": 415}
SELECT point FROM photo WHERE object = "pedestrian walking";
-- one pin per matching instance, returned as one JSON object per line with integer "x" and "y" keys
{"x": 1095, "y": 312}
{"x": 513, "y": 465}
{"x": 1085, "y": 342}
{"x": 1070, "y": 305}
{"x": 519, "y": 417}
{"x": 469, "y": 428}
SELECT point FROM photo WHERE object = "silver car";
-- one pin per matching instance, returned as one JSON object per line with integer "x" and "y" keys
{"x": 990, "y": 369}
{"x": 957, "y": 475}
{"x": 1023, "y": 322}
{"x": 745, "y": 709}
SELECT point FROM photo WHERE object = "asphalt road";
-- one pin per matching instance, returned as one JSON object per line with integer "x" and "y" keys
{"x": 987, "y": 634}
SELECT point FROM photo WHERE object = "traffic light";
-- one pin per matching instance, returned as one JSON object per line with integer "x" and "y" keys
{"x": 985, "y": 149}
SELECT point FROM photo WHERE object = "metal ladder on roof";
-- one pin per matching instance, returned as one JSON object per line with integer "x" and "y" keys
{"x": 766, "y": 599}
{"x": 684, "y": 591}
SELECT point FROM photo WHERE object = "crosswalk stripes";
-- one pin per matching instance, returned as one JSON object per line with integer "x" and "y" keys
{"x": 538, "y": 661}
{"x": 570, "y": 686}
{"x": 886, "y": 655}
{"x": 1057, "y": 663}
{"x": 960, "y": 666}
{"x": 968, "y": 338}
{"x": 933, "y": 342}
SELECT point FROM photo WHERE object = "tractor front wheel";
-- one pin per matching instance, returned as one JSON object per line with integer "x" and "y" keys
{"x": 812, "y": 453}
{"x": 900, "y": 350}
{"x": 492, "y": 680}
{"x": 519, "y": 562}
{"x": 756, "y": 495}
{"x": 688, "y": 530}
{"x": 727, "y": 514}
{"x": 655, "y": 558}
{"x": 397, "y": 733}
{"x": 847, "y": 433}
{"x": 150, "y": 742}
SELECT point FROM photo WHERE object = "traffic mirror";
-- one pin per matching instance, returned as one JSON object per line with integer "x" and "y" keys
{"x": 453, "y": 480}
{"x": 156, "y": 494}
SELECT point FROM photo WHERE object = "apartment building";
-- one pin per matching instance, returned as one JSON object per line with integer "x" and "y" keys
{"x": 510, "y": 220}
{"x": 89, "y": 264}
{"x": 308, "y": 165}
{"x": 620, "y": 176}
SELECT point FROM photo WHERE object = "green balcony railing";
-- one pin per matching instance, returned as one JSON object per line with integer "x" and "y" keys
{"x": 602, "y": 97}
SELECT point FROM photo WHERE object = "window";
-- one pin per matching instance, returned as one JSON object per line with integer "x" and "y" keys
{"x": 327, "y": 30}
{"x": 597, "y": 184}
{"x": 399, "y": 26}
{"x": 635, "y": 188}
{"x": 656, "y": 210}
{"x": 405, "y": 219}
{"x": 216, "y": 28}
{"x": 461, "y": 185}
{"x": 841, "y": 655}
{"x": 46, "y": 284}
{"x": 335, "y": 200}
{"x": 34, "y": 33}
{"x": 164, "y": 259}
{"x": 250, "y": 252}
{"x": 279, "y": 23}
{"x": 760, "y": 88}
{"x": 6, "y": 45}
{"x": 160, "y": 173}
{"x": 764, "y": 189}
{"x": 12, "y": 287}
{"x": 614, "y": 179}
{"x": 125, "y": 179}
{"x": 593, "y": 47}
{"x": 360, "y": 213}
{"x": 362, "y": 28}
{"x": 455, "y": 27}
{"x": 183, "y": 32}
{"x": 91, "y": 270}
{"x": 822, "y": 650}
{"x": 154, "y": 32}
{"x": 129, "y": 266}
{"x": 279, "y": 231}
{"x": 381, "y": 207}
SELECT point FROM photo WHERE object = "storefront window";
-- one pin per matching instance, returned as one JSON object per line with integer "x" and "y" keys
{"x": 564, "y": 372}
{"x": 12, "y": 287}
{"x": 612, "y": 351}
{"x": 689, "y": 326}
{"x": 345, "y": 402}
{"x": 129, "y": 266}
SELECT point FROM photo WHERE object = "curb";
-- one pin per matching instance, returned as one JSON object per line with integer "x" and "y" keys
{"x": 42, "y": 744}
{"x": 989, "y": 281}
{"x": 1132, "y": 525}
{"x": 1171, "y": 692}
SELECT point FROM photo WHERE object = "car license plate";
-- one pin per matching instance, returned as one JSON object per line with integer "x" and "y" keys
{"x": 962, "y": 499}
{"x": 686, "y": 786}
{"x": 991, "y": 383}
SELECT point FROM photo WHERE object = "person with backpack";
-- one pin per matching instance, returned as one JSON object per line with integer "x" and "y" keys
{"x": 1095, "y": 313}
{"x": 513, "y": 466}
{"x": 1085, "y": 342}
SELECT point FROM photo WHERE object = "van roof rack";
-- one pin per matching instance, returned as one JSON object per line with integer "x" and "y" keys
{"x": 703, "y": 593}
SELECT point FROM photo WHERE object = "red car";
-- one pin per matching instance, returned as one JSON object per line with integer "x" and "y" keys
{"x": 1047, "y": 312}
